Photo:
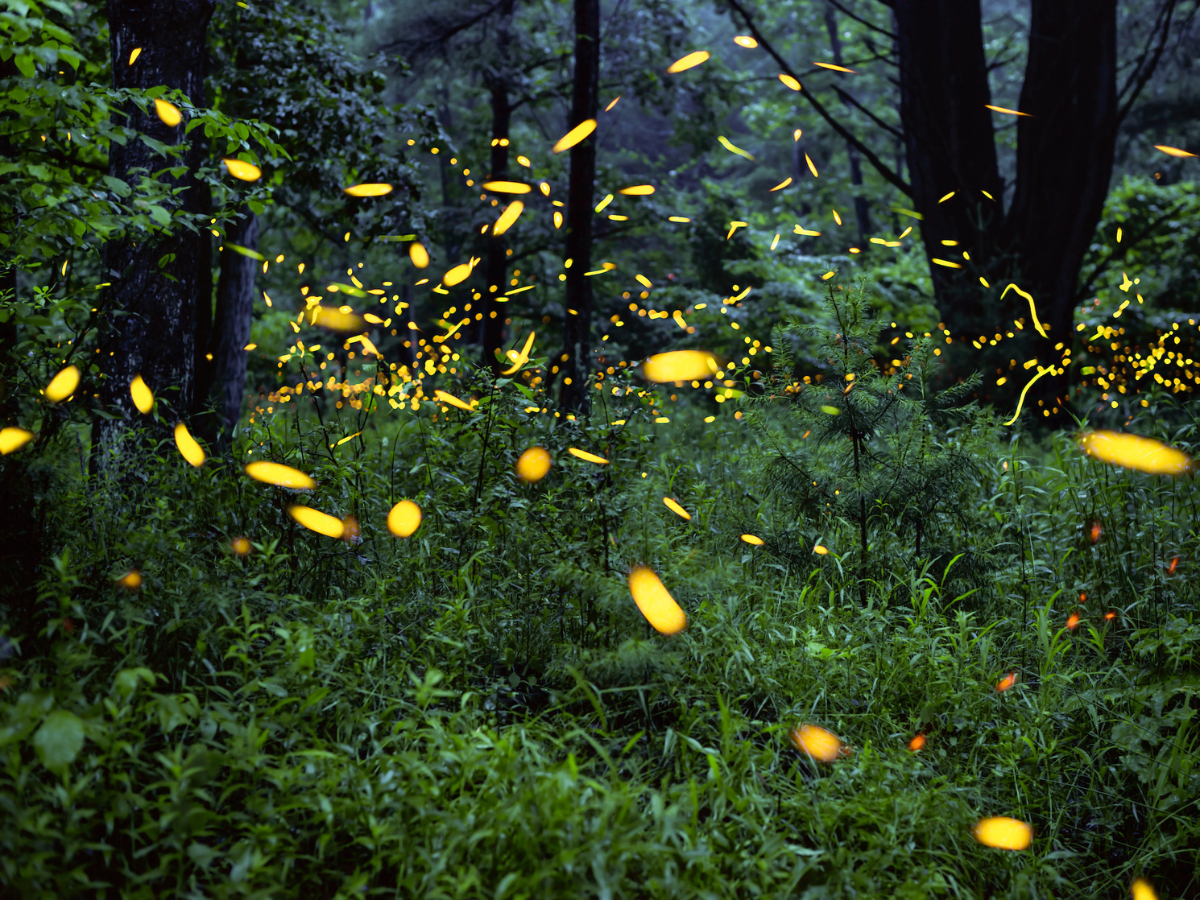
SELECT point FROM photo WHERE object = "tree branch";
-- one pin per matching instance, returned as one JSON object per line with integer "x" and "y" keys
{"x": 1139, "y": 76}
{"x": 861, "y": 21}
{"x": 880, "y": 166}
{"x": 847, "y": 99}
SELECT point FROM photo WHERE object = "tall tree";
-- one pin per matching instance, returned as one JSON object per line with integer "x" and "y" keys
{"x": 156, "y": 285}
{"x": 575, "y": 362}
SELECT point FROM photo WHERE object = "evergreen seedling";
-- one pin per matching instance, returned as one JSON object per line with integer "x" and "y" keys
{"x": 869, "y": 446}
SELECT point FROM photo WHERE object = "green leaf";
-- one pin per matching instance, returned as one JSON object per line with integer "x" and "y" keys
{"x": 160, "y": 215}
{"x": 127, "y": 680}
{"x": 59, "y": 740}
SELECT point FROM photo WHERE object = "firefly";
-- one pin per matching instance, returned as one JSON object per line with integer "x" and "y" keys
{"x": 1171, "y": 568}
{"x": 688, "y": 62}
{"x": 131, "y": 580}
{"x": 1072, "y": 621}
{"x": 404, "y": 519}
{"x": 533, "y": 464}
{"x": 1094, "y": 531}
{"x": 1004, "y": 833}
{"x": 655, "y": 602}
{"x": 916, "y": 743}
{"x": 677, "y": 509}
{"x": 1007, "y": 681}
{"x": 240, "y": 546}
{"x": 818, "y": 743}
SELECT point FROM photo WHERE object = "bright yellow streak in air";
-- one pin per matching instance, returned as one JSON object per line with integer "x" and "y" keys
{"x": 817, "y": 742}
{"x": 507, "y": 218}
{"x": 1133, "y": 452}
{"x": 404, "y": 519}
{"x": 677, "y": 509}
{"x": 187, "y": 445}
{"x": 315, "y": 520}
{"x": 1004, "y": 833}
{"x": 1032, "y": 309}
{"x": 142, "y": 396}
{"x": 63, "y": 384}
{"x": 241, "y": 170}
{"x": 655, "y": 601}
{"x": 13, "y": 439}
{"x": 576, "y": 135}
{"x": 688, "y": 62}
{"x": 680, "y": 365}
{"x": 587, "y": 457}
{"x": 168, "y": 112}
{"x": 533, "y": 465}
{"x": 280, "y": 475}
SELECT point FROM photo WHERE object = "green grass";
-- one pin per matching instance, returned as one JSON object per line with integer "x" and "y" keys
{"x": 481, "y": 711}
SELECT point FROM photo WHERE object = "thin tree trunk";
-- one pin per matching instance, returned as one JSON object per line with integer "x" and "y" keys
{"x": 1064, "y": 163}
{"x": 862, "y": 205}
{"x": 221, "y": 383}
{"x": 155, "y": 284}
{"x": 584, "y": 105}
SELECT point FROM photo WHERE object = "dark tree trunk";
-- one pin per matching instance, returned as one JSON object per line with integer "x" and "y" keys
{"x": 584, "y": 105}
{"x": 862, "y": 205}
{"x": 157, "y": 284}
{"x": 496, "y": 266}
{"x": 1064, "y": 163}
{"x": 950, "y": 147}
{"x": 221, "y": 381}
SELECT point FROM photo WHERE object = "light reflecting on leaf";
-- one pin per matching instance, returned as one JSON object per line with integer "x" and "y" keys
{"x": 315, "y": 520}
{"x": 533, "y": 465}
{"x": 1133, "y": 452}
{"x": 587, "y": 457}
{"x": 680, "y": 365}
{"x": 280, "y": 475}
{"x": 576, "y": 135}
{"x": 168, "y": 112}
{"x": 187, "y": 445}
{"x": 243, "y": 171}
{"x": 688, "y": 62}
{"x": 677, "y": 509}
{"x": 404, "y": 519}
{"x": 143, "y": 397}
{"x": 753, "y": 540}
{"x": 817, "y": 742}
{"x": 13, "y": 439}
{"x": 510, "y": 215}
{"x": 655, "y": 601}
{"x": 1003, "y": 833}
{"x": 63, "y": 384}
{"x": 368, "y": 190}
{"x": 418, "y": 254}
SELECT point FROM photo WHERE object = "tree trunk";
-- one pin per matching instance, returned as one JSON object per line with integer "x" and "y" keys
{"x": 156, "y": 284}
{"x": 584, "y": 105}
{"x": 221, "y": 381}
{"x": 950, "y": 147}
{"x": 1064, "y": 163}
{"x": 496, "y": 266}
{"x": 862, "y": 205}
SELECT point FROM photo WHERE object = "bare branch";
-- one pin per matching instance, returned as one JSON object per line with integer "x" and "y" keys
{"x": 1139, "y": 76}
{"x": 861, "y": 21}
{"x": 847, "y": 99}
{"x": 881, "y": 167}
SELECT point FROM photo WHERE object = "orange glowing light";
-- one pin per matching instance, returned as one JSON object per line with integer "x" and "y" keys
{"x": 1009, "y": 112}
{"x": 350, "y": 530}
{"x": 533, "y": 465}
{"x": 677, "y": 509}
{"x": 241, "y": 546}
{"x": 418, "y": 254}
{"x": 916, "y": 743}
{"x": 820, "y": 550}
{"x": 1171, "y": 567}
{"x": 1109, "y": 616}
{"x": 790, "y": 82}
{"x": 1072, "y": 621}
{"x": 1083, "y": 596}
{"x": 655, "y": 601}
{"x": 404, "y": 519}
{"x": 1004, "y": 833}
{"x": 1173, "y": 151}
{"x": 242, "y": 170}
{"x": 168, "y": 113}
{"x": 688, "y": 62}
{"x": 1007, "y": 681}
{"x": 1094, "y": 531}
{"x": 744, "y": 40}
{"x": 818, "y": 743}
{"x": 834, "y": 68}
{"x": 131, "y": 580}
{"x": 506, "y": 187}
{"x": 142, "y": 396}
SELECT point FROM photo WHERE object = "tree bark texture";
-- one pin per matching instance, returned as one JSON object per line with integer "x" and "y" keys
{"x": 221, "y": 381}
{"x": 157, "y": 284}
{"x": 584, "y": 105}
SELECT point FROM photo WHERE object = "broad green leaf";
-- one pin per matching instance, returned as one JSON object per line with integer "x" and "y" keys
{"x": 59, "y": 740}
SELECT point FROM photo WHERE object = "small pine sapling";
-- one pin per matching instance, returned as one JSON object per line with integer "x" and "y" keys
{"x": 869, "y": 446}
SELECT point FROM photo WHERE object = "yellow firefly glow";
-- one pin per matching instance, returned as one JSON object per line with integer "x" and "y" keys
{"x": 724, "y": 141}
{"x": 1007, "y": 112}
{"x": 404, "y": 519}
{"x": 131, "y": 580}
{"x": 790, "y": 82}
{"x": 452, "y": 400}
{"x": 744, "y": 40}
{"x": 811, "y": 167}
{"x": 315, "y": 520}
{"x": 13, "y": 439}
{"x": 781, "y": 185}
{"x": 680, "y": 365}
{"x": 820, "y": 550}
{"x": 134, "y": 54}
{"x": 519, "y": 359}
{"x": 1004, "y": 833}
{"x": 655, "y": 601}
{"x": 507, "y": 218}
{"x": 688, "y": 62}
{"x": 280, "y": 475}
{"x": 368, "y": 190}
{"x": 753, "y": 540}
{"x": 143, "y": 398}
{"x": 335, "y": 319}
{"x": 240, "y": 546}
{"x": 1141, "y": 890}
{"x": 188, "y": 448}
{"x": 533, "y": 465}
{"x": 677, "y": 509}
{"x": 637, "y": 190}
{"x": 168, "y": 112}
{"x": 241, "y": 170}
{"x": 834, "y": 68}
{"x": 587, "y": 457}
{"x": 506, "y": 187}
{"x": 1021, "y": 399}
{"x": 576, "y": 135}
{"x": 418, "y": 254}
{"x": 63, "y": 385}
{"x": 1032, "y": 309}
{"x": 817, "y": 742}
{"x": 1133, "y": 452}
{"x": 1173, "y": 151}
{"x": 456, "y": 275}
